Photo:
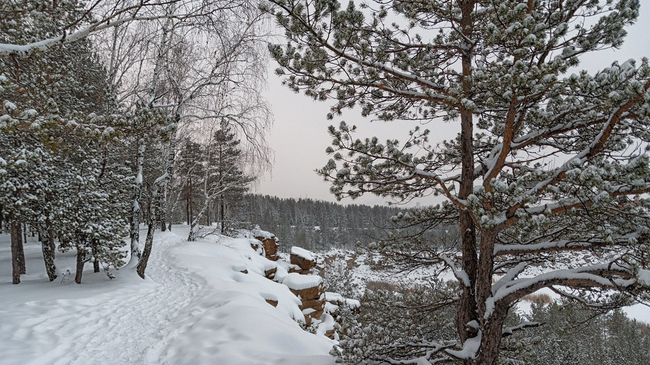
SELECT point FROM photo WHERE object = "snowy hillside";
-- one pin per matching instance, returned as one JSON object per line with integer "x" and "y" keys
{"x": 197, "y": 306}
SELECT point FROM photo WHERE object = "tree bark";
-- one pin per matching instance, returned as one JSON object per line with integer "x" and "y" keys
{"x": 50, "y": 240}
{"x": 467, "y": 309}
{"x": 187, "y": 208}
{"x": 207, "y": 216}
{"x": 491, "y": 338}
{"x": 95, "y": 259}
{"x": 222, "y": 214}
{"x": 190, "y": 215}
{"x": 47, "y": 242}
{"x": 135, "y": 213}
{"x": 15, "y": 248}
{"x": 163, "y": 210}
{"x": 20, "y": 253}
{"x": 148, "y": 243}
{"x": 81, "y": 259}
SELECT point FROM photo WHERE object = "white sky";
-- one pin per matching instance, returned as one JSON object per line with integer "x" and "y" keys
{"x": 299, "y": 135}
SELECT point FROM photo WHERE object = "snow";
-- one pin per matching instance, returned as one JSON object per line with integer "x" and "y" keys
{"x": 9, "y": 105}
{"x": 307, "y": 255}
{"x": 470, "y": 348}
{"x": 334, "y": 297}
{"x": 644, "y": 277}
{"x": 299, "y": 282}
{"x": 195, "y": 307}
{"x": 257, "y": 232}
{"x": 352, "y": 303}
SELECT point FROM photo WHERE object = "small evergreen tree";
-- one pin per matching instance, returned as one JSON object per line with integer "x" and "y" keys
{"x": 225, "y": 175}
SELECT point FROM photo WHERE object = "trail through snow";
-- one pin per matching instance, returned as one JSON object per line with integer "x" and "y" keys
{"x": 128, "y": 325}
{"x": 202, "y": 303}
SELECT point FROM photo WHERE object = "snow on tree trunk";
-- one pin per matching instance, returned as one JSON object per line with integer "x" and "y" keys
{"x": 136, "y": 211}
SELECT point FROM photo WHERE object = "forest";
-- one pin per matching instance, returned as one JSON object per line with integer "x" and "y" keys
{"x": 318, "y": 225}
{"x": 103, "y": 131}
{"x": 131, "y": 132}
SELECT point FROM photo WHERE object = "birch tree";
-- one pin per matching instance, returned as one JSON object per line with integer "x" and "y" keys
{"x": 549, "y": 160}
{"x": 193, "y": 71}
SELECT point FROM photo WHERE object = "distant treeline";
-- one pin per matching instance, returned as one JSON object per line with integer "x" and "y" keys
{"x": 317, "y": 225}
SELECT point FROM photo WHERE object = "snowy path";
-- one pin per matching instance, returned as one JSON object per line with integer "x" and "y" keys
{"x": 128, "y": 325}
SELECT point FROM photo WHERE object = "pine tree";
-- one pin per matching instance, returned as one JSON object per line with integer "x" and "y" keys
{"x": 190, "y": 173}
{"x": 546, "y": 160}
{"x": 55, "y": 143}
{"x": 225, "y": 175}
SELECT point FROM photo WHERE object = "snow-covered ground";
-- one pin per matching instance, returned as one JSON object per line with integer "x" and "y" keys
{"x": 195, "y": 307}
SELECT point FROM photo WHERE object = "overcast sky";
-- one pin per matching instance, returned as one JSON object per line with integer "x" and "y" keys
{"x": 299, "y": 134}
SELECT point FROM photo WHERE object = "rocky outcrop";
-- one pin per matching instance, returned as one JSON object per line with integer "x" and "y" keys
{"x": 269, "y": 242}
{"x": 270, "y": 247}
{"x": 309, "y": 288}
{"x": 302, "y": 260}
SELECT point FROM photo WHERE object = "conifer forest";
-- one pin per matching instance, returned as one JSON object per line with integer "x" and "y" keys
{"x": 140, "y": 221}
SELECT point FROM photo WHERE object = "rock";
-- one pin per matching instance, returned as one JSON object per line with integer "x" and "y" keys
{"x": 332, "y": 309}
{"x": 308, "y": 287}
{"x": 330, "y": 333}
{"x": 257, "y": 246}
{"x": 272, "y": 302}
{"x": 270, "y": 245}
{"x": 270, "y": 273}
{"x": 311, "y": 315}
{"x": 302, "y": 258}
{"x": 315, "y": 304}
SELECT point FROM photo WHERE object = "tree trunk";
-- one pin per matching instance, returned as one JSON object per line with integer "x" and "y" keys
{"x": 146, "y": 252}
{"x": 151, "y": 226}
{"x": 171, "y": 158}
{"x": 50, "y": 240}
{"x": 163, "y": 210}
{"x": 15, "y": 248}
{"x": 190, "y": 216}
{"x": 467, "y": 309}
{"x": 135, "y": 213}
{"x": 81, "y": 259}
{"x": 488, "y": 353}
{"x": 207, "y": 216}
{"x": 222, "y": 215}
{"x": 187, "y": 209}
{"x": 20, "y": 254}
{"x": 95, "y": 259}
{"x": 48, "y": 253}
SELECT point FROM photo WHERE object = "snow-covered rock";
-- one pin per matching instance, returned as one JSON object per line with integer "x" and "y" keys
{"x": 309, "y": 288}
{"x": 302, "y": 258}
